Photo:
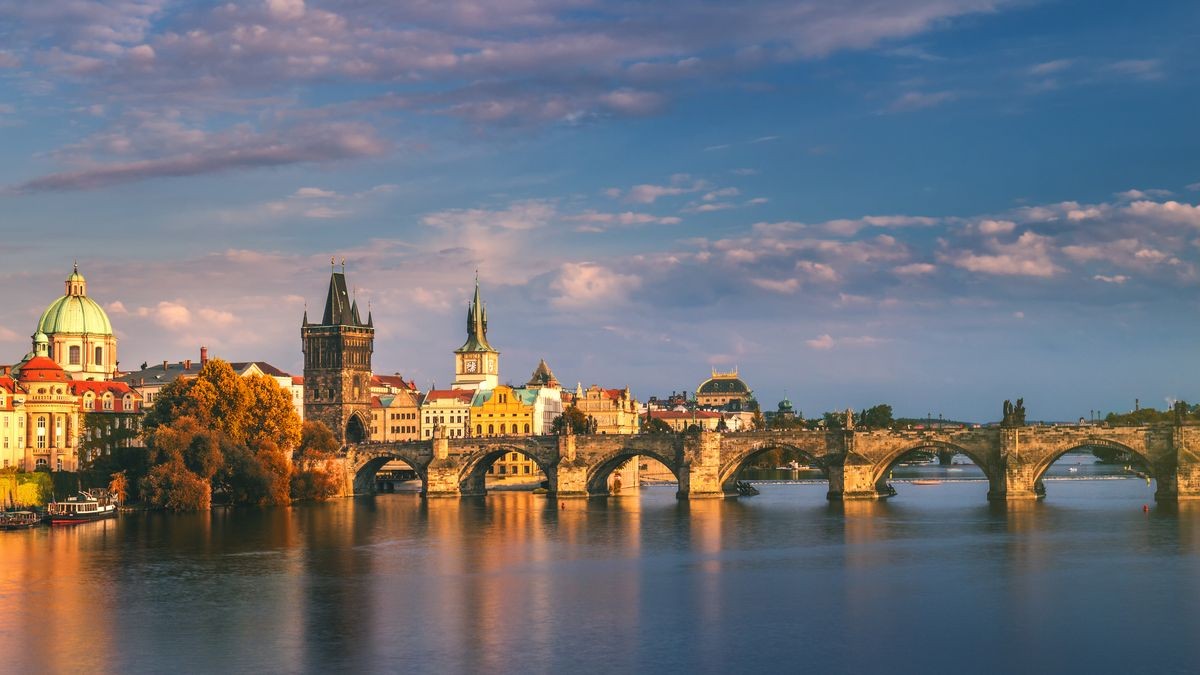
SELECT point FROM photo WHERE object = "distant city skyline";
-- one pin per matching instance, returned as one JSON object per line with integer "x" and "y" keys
{"x": 937, "y": 205}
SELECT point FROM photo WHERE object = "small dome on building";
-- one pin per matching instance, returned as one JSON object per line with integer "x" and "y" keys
{"x": 75, "y": 313}
{"x": 41, "y": 369}
{"x": 785, "y": 406}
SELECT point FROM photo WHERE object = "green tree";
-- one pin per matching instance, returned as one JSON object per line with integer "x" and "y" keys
{"x": 876, "y": 417}
{"x": 573, "y": 416}
{"x": 657, "y": 426}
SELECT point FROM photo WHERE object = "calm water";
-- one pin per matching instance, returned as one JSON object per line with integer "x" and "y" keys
{"x": 934, "y": 580}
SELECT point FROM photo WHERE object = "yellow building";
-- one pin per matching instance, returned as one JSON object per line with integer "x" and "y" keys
{"x": 12, "y": 423}
{"x": 395, "y": 417}
{"x": 614, "y": 411}
{"x": 51, "y": 413}
{"x": 505, "y": 411}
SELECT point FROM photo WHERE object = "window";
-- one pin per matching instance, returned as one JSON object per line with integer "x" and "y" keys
{"x": 74, "y": 355}
{"x": 99, "y": 356}
{"x": 41, "y": 461}
{"x": 501, "y": 468}
{"x": 41, "y": 432}
{"x": 526, "y": 428}
{"x": 478, "y": 429}
{"x": 491, "y": 430}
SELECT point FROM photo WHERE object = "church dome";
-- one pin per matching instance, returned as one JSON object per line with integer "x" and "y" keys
{"x": 723, "y": 383}
{"x": 75, "y": 312}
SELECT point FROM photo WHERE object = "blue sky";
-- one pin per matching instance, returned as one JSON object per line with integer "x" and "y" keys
{"x": 934, "y": 203}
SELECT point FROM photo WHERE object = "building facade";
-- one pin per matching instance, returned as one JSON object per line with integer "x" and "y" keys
{"x": 613, "y": 411}
{"x": 337, "y": 365}
{"x": 448, "y": 409}
{"x": 396, "y": 417}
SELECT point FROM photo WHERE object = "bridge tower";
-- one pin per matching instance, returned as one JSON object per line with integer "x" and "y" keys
{"x": 337, "y": 364}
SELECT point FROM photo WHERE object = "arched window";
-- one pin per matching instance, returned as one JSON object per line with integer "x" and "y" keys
{"x": 99, "y": 356}
{"x": 491, "y": 430}
{"x": 478, "y": 429}
{"x": 73, "y": 355}
{"x": 526, "y": 428}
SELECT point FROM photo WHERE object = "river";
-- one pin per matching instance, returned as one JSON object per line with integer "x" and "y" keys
{"x": 933, "y": 580}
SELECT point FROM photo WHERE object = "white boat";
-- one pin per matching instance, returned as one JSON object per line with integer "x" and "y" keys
{"x": 86, "y": 506}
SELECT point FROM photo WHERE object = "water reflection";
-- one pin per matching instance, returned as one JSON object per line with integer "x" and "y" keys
{"x": 927, "y": 581}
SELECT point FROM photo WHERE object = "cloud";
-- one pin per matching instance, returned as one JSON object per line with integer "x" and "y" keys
{"x": 915, "y": 269}
{"x": 1115, "y": 279}
{"x": 215, "y": 153}
{"x": 1142, "y": 69}
{"x": 1170, "y": 211}
{"x": 916, "y": 100}
{"x": 523, "y": 215}
{"x": 1029, "y": 255}
{"x": 1051, "y": 67}
{"x": 826, "y": 342}
{"x": 585, "y": 285}
{"x": 850, "y": 227}
{"x": 1133, "y": 195}
{"x": 596, "y": 221}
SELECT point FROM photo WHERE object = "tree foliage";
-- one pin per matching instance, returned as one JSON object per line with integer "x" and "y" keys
{"x": 657, "y": 426}
{"x": 578, "y": 421}
{"x": 315, "y": 476}
{"x": 233, "y": 435}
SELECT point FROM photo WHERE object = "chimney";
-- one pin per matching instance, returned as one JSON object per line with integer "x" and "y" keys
{"x": 203, "y": 356}
{"x": 187, "y": 364}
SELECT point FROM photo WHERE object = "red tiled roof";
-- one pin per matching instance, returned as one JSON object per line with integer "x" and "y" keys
{"x": 685, "y": 414}
{"x": 42, "y": 369}
{"x": 297, "y": 379}
{"x": 462, "y": 395}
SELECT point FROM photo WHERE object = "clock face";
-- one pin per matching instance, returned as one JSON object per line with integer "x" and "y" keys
{"x": 471, "y": 365}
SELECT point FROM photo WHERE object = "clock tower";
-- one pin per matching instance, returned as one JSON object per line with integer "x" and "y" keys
{"x": 476, "y": 364}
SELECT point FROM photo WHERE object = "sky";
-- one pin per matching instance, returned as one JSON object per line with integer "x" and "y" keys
{"x": 936, "y": 204}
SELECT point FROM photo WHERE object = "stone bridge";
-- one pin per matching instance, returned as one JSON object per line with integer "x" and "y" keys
{"x": 857, "y": 463}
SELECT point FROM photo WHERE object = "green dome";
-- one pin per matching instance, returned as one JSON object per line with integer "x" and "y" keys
{"x": 74, "y": 314}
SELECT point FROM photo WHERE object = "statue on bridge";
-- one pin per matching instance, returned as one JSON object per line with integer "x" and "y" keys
{"x": 1014, "y": 415}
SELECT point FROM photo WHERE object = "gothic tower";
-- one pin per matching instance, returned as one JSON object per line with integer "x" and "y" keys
{"x": 476, "y": 363}
{"x": 337, "y": 365}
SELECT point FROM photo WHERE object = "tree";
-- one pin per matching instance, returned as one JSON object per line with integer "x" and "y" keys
{"x": 657, "y": 426}
{"x": 876, "y": 417}
{"x": 119, "y": 486}
{"x": 171, "y": 486}
{"x": 315, "y": 476}
{"x": 230, "y": 433}
{"x": 573, "y": 416}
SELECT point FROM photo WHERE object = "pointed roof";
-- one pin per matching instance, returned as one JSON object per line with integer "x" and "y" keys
{"x": 542, "y": 376}
{"x": 476, "y": 325}
{"x": 340, "y": 310}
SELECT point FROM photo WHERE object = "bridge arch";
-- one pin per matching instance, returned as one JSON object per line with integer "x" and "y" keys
{"x": 1040, "y": 469}
{"x": 472, "y": 476}
{"x": 364, "y": 475}
{"x": 884, "y": 467}
{"x": 601, "y": 469}
{"x": 733, "y": 465}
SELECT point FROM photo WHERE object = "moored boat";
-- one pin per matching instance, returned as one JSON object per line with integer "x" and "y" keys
{"x": 19, "y": 520}
{"x": 85, "y": 507}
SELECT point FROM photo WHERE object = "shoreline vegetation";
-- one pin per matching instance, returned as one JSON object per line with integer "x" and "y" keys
{"x": 221, "y": 438}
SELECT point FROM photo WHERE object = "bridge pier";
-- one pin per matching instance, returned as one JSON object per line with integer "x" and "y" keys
{"x": 851, "y": 482}
{"x": 700, "y": 475}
